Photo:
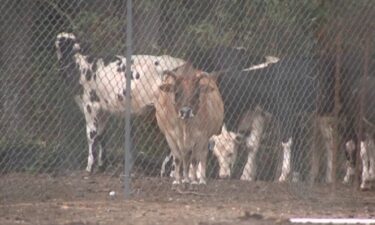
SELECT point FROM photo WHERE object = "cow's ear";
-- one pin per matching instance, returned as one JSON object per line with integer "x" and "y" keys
{"x": 216, "y": 74}
{"x": 166, "y": 87}
{"x": 238, "y": 138}
{"x": 169, "y": 73}
{"x": 207, "y": 85}
{"x": 206, "y": 88}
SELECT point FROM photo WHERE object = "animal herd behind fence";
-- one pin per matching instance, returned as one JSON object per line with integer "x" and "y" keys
{"x": 207, "y": 104}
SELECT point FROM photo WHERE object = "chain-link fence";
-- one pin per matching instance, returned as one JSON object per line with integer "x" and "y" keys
{"x": 289, "y": 74}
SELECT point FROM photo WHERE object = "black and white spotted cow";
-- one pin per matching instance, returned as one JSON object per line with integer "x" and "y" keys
{"x": 99, "y": 86}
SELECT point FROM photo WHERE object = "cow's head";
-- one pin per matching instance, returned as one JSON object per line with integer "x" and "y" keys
{"x": 225, "y": 146}
{"x": 187, "y": 87}
{"x": 66, "y": 46}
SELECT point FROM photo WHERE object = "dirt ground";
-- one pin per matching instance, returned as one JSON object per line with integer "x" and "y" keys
{"x": 77, "y": 200}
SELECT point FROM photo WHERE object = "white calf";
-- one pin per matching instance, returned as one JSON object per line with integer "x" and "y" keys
{"x": 225, "y": 147}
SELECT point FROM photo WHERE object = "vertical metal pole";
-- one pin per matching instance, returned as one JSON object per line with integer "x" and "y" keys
{"x": 337, "y": 106}
{"x": 128, "y": 144}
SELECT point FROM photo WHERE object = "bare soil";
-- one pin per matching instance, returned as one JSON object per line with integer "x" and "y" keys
{"x": 75, "y": 199}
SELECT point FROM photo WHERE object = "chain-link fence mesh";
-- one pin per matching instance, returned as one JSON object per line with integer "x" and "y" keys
{"x": 63, "y": 95}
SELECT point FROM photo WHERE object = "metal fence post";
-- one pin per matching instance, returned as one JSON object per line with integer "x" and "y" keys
{"x": 336, "y": 105}
{"x": 128, "y": 144}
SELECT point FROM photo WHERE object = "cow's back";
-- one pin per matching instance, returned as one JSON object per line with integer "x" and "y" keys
{"x": 147, "y": 72}
{"x": 284, "y": 89}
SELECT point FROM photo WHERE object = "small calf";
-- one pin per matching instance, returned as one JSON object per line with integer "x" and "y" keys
{"x": 225, "y": 147}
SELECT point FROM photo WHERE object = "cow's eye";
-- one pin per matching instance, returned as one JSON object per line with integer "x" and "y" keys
{"x": 178, "y": 95}
{"x": 196, "y": 93}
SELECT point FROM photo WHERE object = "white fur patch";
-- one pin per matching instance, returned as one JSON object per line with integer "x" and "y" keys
{"x": 286, "y": 167}
{"x": 225, "y": 150}
{"x": 253, "y": 144}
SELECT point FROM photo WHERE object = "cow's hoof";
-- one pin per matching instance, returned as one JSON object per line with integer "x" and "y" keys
{"x": 194, "y": 182}
{"x": 202, "y": 182}
{"x": 224, "y": 177}
{"x": 329, "y": 180}
{"x": 185, "y": 185}
{"x": 87, "y": 175}
{"x": 185, "y": 181}
{"x": 194, "y": 186}
{"x": 89, "y": 168}
{"x": 176, "y": 182}
{"x": 283, "y": 179}
{"x": 246, "y": 178}
{"x": 365, "y": 186}
{"x": 101, "y": 168}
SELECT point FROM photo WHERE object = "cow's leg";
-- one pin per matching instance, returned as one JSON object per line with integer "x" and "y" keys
{"x": 193, "y": 171}
{"x": 101, "y": 153}
{"x": 185, "y": 167}
{"x": 177, "y": 173}
{"x": 314, "y": 165}
{"x": 175, "y": 154}
{"x": 173, "y": 168}
{"x": 350, "y": 171}
{"x": 364, "y": 153}
{"x": 329, "y": 170}
{"x": 371, "y": 149}
{"x": 93, "y": 144}
{"x": 252, "y": 144}
{"x": 328, "y": 137}
{"x": 197, "y": 171}
{"x": 95, "y": 122}
{"x": 202, "y": 157}
{"x": 164, "y": 164}
{"x": 368, "y": 162}
{"x": 101, "y": 122}
{"x": 93, "y": 131}
{"x": 350, "y": 160}
{"x": 286, "y": 167}
{"x": 314, "y": 169}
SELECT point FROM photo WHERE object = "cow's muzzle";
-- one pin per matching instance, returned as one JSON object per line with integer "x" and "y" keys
{"x": 186, "y": 112}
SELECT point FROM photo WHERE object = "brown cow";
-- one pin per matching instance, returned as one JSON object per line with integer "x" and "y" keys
{"x": 189, "y": 111}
